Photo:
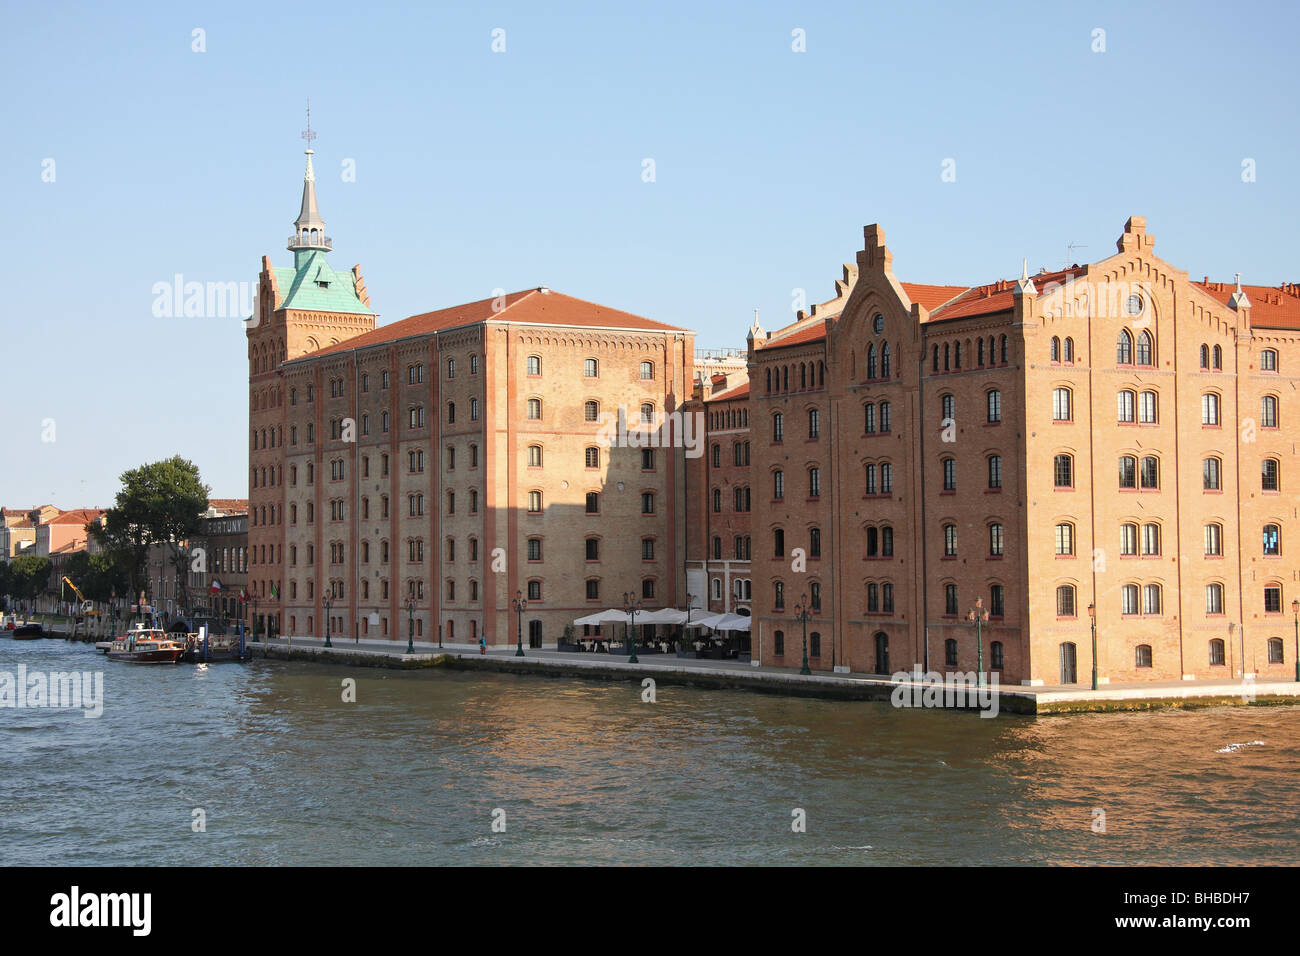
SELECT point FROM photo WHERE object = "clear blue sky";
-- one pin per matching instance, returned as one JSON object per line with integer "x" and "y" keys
{"x": 477, "y": 170}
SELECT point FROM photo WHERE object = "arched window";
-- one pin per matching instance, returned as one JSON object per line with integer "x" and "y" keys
{"x": 1151, "y": 539}
{"x": 1128, "y": 599}
{"x": 1127, "y": 406}
{"x": 1148, "y": 411}
{"x": 1061, "y": 411}
{"x": 535, "y": 409}
{"x": 1065, "y": 539}
{"x": 1142, "y": 655}
{"x": 778, "y": 427}
{"x": 1205, "y": 356}
{"x": 1210, "y": 408}
{"x": 869, "y": 415}
{"x": 884, "y": 360}
{"x": 1124, "y": 348}
{"x": 1272, "y": 539}
{"x": 1211, "y": 471}
{"x": 1069, "y": 350}
{"x": 1269, "y": 475}
{"x": 1003, "y": 344}
{"x": 1275, "y": 653}
{"x": 1065, "y": 600}
{"x": 1218, "y": 358}
{"x": 1217, "y": 657}
{"x": 1214, "y": 599}
{"x": 1127, "y": 471}
{"x": 1150, "y": 472}
{"x": 1268, "y": 360}
{"x": 1214, "y": 540}
{"x": 1056, "y": 349}
{"x": 950, "y": 652}
{"x": 769, "y": 380}
{"x": 871, "y": 361}
{"x": 1145, "y": 349}
{"x": 1268, "y": 412}
{"x": 997, "y": 656}
{"x": 590, "y": 368}
{"x": 1152, "y": 599}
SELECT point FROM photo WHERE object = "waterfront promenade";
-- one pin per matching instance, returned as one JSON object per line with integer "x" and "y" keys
{"x": 730, "y": 674}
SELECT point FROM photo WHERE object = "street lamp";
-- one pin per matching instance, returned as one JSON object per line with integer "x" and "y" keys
{"x": 410, "y": 625}
{"x": 630, "y": 606}
{"x": 1092, "y": 616}
{"x": 519, "y": 604}
{"x": 686, "y": 630}
{"x": 329, "y": 604}
{"x": 1295, "y": 612}
{"x": 978, "y": 615}
{"x": 802, "y": 615}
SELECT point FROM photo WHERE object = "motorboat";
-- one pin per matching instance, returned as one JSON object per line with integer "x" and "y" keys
{"x": 146, "y": 646}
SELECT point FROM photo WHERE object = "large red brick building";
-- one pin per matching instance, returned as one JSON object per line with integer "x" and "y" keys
{"x": 1112, "y": 439}
{"x": 458, "y": 460}
{"x": 1108, "y": 441}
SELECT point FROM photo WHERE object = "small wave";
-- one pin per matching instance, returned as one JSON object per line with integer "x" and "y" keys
{"x": 833, "y": 847}
{"x": 1233, "y": 748}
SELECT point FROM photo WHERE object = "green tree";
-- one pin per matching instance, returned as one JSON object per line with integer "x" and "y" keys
{"x": 31, "y": 574}
{"x": 161, "y": 502}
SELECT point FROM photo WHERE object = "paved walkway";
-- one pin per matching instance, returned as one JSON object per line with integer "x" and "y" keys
{"x": 1041, "y": 698}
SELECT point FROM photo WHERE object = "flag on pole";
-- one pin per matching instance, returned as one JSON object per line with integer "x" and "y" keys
{"x": 275, "y": 591}
{"x": 216, "y": 586}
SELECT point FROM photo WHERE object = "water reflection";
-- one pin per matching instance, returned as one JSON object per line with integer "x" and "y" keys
{"x": 586, "y": 772}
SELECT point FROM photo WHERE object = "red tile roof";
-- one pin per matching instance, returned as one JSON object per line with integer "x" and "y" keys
{"x": 813, "y": 333}
{"x": 77, "y": 516}
{"x": 740, "y": 391}
{"x": 229, "y": 505}
{"x": 996, "y": 296}
{"x": 1271, "y": 307}
{"x": 930, "y": 297}
{"x": 532, "y": 306}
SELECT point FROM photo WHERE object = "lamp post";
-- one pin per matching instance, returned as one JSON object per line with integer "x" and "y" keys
{"x": 519, "y": 604}
{"x": 687, "y": 628}
{"x": 801, "y": 615}
{"x": 977, "y": 616}
{"x": 329, "y": 604}
{"x": 410, "y": 625}
{"x": 1295, "y": 612}
{"x": 1092, "y": 617}
{"x": 630, "y": 606}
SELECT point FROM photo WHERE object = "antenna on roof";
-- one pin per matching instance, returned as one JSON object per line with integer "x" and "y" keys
{"x": 1069, "y": 251}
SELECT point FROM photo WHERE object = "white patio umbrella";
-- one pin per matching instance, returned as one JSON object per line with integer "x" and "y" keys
{"x": 611, "y": 616}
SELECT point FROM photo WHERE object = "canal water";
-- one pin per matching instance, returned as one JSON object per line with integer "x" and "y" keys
{"x": 417, "y": 769}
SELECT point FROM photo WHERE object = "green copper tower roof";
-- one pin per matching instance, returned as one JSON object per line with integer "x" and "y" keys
{"x": 312, "y": 285}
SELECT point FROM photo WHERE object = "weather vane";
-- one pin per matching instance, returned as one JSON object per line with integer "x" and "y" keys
{"x": 307, "y": 134}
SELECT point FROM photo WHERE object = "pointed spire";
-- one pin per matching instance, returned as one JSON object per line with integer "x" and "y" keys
{"x": 1025, "y": 285}
{"x": 1239, "y": 300}
{"x": 309, "y": 226}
